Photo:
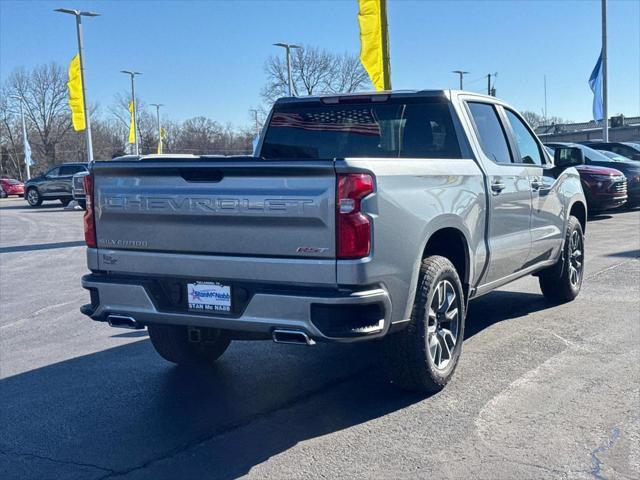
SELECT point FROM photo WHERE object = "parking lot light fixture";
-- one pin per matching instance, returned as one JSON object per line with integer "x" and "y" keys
{"x": 135, "y": 107}
{"x": 462, "y": 73}
{"x": 158, "y": 105}
{"x": 79, "y": 14}
{"x": 288, "y": 47}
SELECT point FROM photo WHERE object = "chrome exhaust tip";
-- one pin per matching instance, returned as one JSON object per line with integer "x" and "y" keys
{"x": 294, "y": 337}
{"x": 123, "y": 321}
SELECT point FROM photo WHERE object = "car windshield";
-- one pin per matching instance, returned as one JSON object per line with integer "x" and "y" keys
{"x": 392, "y": 129}
{"x": 596, "y": 156}
{"x": 614, "y": 156}
{"x": 634, "y": 145}
{"x": 12, "y": 181}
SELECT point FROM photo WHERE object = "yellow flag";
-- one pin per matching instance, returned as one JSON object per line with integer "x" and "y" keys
{"x": 132, "y": 125}
{"x": 76, "y": 99}
{"x": 374, "y": 42}
{"x": 163, "y": 133}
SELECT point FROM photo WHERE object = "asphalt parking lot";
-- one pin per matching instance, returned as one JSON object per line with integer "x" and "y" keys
{"x": 542, "y": 391}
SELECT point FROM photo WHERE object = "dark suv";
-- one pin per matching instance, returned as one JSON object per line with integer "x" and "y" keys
{"x": 53, "y": 185}
{"x": 627, "y": 149}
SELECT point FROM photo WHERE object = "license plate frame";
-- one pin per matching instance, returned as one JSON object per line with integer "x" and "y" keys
{"x": 213, "y": 297}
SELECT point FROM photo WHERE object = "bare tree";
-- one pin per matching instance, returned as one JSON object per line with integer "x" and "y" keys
{"x": 535, "y": 120}
{"x": 44, "y": 92}
{"x": 314, "y": 71}
{"x": 11, "y": 144}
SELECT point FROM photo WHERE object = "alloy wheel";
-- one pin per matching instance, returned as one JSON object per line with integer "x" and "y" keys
{"x": 576, "y": 258}
{"x": 32, "y": 197}
{"x": 443, "y": 324}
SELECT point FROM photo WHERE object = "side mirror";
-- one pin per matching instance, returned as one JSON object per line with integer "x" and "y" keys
{"x": 565, "y": 157}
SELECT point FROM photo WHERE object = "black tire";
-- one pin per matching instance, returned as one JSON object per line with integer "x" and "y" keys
{"x": 408, "y": 355}
{"x": 33, "y": 197}
{"x": 65, "y": 201}
{"x": 3, "y": 194}
{"x": 561, "y": 283}
{"x": 82, "y": 204}
{"x": 172, "y": 343}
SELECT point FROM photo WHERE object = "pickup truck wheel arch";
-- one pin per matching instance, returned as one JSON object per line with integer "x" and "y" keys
{"x": 452, "y": 244}
{"x": 579, "y": 210}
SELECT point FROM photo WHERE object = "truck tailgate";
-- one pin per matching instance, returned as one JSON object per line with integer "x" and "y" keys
{"x": 242, "y": 207}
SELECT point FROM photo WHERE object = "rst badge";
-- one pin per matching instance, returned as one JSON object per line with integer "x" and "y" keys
{"x": 311, "y": 249}
{"x": 209, "y": 296}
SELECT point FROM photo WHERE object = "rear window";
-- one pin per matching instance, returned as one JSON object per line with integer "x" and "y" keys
{"x": 393, "y": 129}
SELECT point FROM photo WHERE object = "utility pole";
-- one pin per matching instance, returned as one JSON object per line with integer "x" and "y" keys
{"x": 87, "y": 121}
{"x": 545, "y": 99}
{"x": 462, "y": 73}
{"x": 490, "y": 90}
{"x": 288, "y": 47}
{"x": 255, "y": 117}
{"x": 25, "y": 140}
{"x": 605, "y": 93}
{"x": 158, "y": 105}
{"x": 135, "y": 108}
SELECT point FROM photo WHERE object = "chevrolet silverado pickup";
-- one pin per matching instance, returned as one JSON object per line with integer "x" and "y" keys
{"x": 360, "y": 217}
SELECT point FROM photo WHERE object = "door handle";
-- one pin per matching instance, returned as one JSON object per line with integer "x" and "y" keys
{"x": 497, "y": 187}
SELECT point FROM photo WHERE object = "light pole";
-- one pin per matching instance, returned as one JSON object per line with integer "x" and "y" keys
{"x": 461, "y": 73}
{"x": 135, "y": 107}
{"x": 25, "y": 141}
{"x": 79, "y": 14}
{"x": 288, "y": 47}
{"x": 158, "y": 105}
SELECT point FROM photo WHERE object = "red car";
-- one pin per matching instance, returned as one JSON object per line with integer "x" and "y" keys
{"x": 11, "y": 186}
{"x": 605, "y": 188}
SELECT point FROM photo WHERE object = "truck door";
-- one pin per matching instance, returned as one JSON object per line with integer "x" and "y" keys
{"x": 547, "y": 224}
{"x": 509, "y": 189}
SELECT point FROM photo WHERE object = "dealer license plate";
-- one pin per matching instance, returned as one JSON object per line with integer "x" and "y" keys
{"x": 209, "y": 297}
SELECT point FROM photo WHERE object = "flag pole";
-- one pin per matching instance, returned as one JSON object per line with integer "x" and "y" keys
{"x": 605, "y": 93}
{"x": 386, "y": 57}
{"x": 79, "y": 14}
{"x": 27, "y": 155}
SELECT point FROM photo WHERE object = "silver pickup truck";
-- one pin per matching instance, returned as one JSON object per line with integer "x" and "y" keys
{"x": 361, "y": 217}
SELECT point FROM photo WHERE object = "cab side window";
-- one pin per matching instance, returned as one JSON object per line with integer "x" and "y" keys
{"x": 70, "y": 170}
{"x": 490, "y": 132}
{"x": 54, "y": 172}
{"x": 529, "y": 149}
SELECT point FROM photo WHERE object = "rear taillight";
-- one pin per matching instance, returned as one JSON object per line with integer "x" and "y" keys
{"x": 353, "y": 227}
{"x": 89, "y": 218}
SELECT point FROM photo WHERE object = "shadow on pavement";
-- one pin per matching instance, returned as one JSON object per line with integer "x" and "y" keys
{"x": 596, "y": 217}
{"x": 626, "y": 254}
{"x": 26, "y": 207}
{"x": 124, "y": 408}
{"x": 499, "y": 306}
{"x": 42, "y": 246}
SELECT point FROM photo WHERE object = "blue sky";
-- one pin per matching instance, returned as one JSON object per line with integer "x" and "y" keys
{"x": 206, "y": 57}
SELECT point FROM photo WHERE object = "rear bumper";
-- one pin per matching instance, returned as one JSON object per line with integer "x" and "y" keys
{"x": 330, "y": 315}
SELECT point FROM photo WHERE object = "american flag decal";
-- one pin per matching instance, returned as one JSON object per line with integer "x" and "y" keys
{"x": 358, "y": 121}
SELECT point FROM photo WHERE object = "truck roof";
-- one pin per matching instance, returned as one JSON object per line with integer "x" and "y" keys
{"x": 382, "y": 95}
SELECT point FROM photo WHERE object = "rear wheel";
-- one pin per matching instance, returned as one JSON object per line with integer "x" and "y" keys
{"x": 82, "y": 203}
{"x": 561, "y": 283}
{"x": 33, "y": 197}
{"x": 65, "y": 201}
{"x": 186, "y": 346}
{"x": 424, "y": 355}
